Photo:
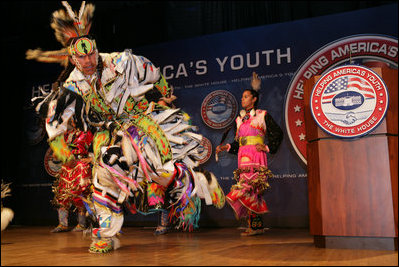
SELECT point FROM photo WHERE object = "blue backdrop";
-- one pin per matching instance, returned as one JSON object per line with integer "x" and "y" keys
{"x": 199, "y": 66}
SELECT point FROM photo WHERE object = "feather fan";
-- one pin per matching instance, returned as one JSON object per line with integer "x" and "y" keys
{"x": 58, "y": 56}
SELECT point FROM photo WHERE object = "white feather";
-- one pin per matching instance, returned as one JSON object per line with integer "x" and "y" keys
{"x": 201, "y": 185}
{"x": 6, "y": 217}
{"x": 153, "y": 155}
{"x": 69, "y": 10}
{"x": 82, "y": 8}
{"x": 164, "y": 115}
{"x": 128, "y": 151}
{"x": 195, "y": 136}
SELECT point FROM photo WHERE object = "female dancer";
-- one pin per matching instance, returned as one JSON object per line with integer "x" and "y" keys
{"x": 253, "y": 126}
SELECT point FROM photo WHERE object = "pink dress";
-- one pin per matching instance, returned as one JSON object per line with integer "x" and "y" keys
{"x": 252, "y": 173}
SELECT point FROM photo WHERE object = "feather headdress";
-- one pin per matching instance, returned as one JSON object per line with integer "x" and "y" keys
{"x": 66, "y": 24}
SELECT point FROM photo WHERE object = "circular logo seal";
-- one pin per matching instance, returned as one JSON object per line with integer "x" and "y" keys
{"x": 361, "y": 48}
{"x": 207, "y": 151}
{"x": 349, "y": 101}
{"x": 219, "y": 109}
{"x": 51, "y": 164}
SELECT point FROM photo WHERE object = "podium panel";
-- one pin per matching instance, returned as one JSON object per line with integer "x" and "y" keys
{"x": 352, "y": 183}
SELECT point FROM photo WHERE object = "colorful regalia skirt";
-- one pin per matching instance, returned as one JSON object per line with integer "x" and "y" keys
{"x": 74, "y": 181}
{"x": 246, "y": 195}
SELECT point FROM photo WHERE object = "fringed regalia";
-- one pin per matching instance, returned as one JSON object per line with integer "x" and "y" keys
{"x": 144, "y": 153}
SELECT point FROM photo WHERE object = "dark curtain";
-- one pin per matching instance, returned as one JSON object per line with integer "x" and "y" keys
{"x": 185, "y": 19}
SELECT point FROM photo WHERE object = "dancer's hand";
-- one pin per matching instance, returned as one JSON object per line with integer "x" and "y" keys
{"x": 262, "y": 147}
{"x": 220, "y": 148}
{"x": 255, "y": 82}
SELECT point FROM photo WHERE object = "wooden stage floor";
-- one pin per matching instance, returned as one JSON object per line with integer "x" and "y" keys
{"x": 30, "y": 246}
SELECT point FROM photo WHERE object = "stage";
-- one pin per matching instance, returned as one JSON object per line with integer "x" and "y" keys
{"x": 22, "y": 245}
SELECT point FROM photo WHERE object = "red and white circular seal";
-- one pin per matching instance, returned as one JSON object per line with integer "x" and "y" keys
{"x": 363, "y": 48}
{"x": 207, "y": 152}
{"x": 219, "y": 109}
{"x": 349, "y": 101}
{"x": 51, "y": 164}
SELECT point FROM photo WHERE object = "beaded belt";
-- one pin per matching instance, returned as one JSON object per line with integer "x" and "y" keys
{"x": 250, "y": 140}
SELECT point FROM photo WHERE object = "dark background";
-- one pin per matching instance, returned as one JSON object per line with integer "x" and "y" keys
{"x": 117, "y": 25}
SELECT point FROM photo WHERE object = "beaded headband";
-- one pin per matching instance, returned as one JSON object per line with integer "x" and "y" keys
{"x": 83, "y": 46}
